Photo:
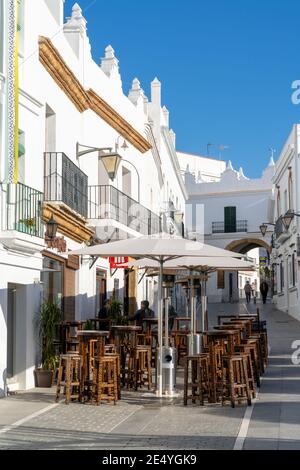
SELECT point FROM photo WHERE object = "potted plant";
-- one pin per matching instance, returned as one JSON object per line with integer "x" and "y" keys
{"x": 27, "y": 225}
{"x": 50, "y": 316}
{"x": 116, "y": 314}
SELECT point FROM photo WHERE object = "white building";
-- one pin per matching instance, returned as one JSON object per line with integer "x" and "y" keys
{"x": 67, "y": 99}
{"x": 285, "y": 256}
{"x": 206, "y": 169}
{"x": 228, "y": 213}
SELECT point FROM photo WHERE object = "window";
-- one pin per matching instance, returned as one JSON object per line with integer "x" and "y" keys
{"x": 20, "y": 27}
{"x": 278, "y": 204}
{"x": 50, "y": 130}
{"x": 229, "y": 219}
{"x": 290, "y": 207}
{"x": 281, "y": 270}
{"x": 52, "y": 279}
{"x": 292, "y": 270}
{"x": 21, "y": 153}
{"x": 274, "y": 279}
{"x": 1, "y": 35}
{"x": 221, "y": 280}
{"x": 285, "y": 201}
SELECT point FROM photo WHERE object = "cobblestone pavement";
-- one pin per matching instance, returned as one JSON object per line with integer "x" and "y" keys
{"x": 139, "y": 422}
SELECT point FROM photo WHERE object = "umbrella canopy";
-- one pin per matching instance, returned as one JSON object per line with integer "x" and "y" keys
{"x": 204, "y": 263}
{"x": 160, "y": 247}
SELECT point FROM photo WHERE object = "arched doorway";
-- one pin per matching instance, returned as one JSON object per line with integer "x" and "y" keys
{"x": 244, "y": 245}
{"x": 259, "y": 250}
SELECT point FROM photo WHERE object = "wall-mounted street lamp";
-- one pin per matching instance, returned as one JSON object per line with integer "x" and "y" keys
{"x": 288, "y": 217}
{"x": 51, "y": 228}
{"x": 111, "y": 160}
{"x": 51, "y": 239}
{"x": 264, "y": 227}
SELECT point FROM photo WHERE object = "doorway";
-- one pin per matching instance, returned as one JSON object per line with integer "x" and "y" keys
{"x": 101, "y": 293}
{"x": 11, "y": 330}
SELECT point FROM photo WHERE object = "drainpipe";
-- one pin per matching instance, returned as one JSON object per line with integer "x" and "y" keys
{"x": 296, "y": 189}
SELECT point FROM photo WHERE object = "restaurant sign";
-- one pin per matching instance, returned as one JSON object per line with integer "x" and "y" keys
{"x": 118, "y": 262}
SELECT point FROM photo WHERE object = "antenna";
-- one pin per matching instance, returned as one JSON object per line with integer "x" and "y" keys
{"x": 208, "y": 146}
{"x": 221, "y": 149}
{"x": 273, "y": 151}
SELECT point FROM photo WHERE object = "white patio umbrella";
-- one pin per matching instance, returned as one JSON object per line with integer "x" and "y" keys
{"x": 203, "y": 265}
{"x": 160, "y": 248}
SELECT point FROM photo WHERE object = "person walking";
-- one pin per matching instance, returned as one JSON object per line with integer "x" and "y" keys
{"x": 248, "y": 290}
{"x": 264, "y": 288}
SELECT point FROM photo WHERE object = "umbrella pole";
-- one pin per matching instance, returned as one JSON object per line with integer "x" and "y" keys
{"x": 160, "y": 329}
{"x": 167, "y": 303}
{"x": 191, "y": 300}
{"x": 204, "y": 302}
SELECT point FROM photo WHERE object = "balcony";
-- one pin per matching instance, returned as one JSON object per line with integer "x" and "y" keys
{"x": 23, "y": 209}
{"x": 107, "y": 202}
{"x": 65, "y": 183}
{"x": 281, "y": 234}
{"x": 239, "y": 226}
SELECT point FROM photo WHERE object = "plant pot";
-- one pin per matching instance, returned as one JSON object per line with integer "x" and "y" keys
{"x": 44, "y": 378}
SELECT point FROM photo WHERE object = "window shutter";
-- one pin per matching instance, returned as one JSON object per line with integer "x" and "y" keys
{"x": 221, "y": 280}
{"x": 230, "y": 219}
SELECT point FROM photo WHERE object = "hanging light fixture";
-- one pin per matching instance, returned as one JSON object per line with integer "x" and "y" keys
{"x": 51, "y": 228}
{"x": 263, "y": 228}
{"x": 287, "y": 219}
{"x": 111, "y": 162}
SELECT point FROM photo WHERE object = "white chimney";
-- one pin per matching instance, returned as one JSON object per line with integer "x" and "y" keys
{"x": 75, "y": 31}
{"x": 156, "y": 92}
{"x": 166, "y": 115}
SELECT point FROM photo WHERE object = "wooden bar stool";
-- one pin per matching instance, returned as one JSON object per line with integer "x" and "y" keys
{"x": 219, "y": 343}
{"x": 105, "y": 384}
{"x": 252, "y": 378}
{"x": 180, "y": 343}
{"x": 72, "y": 345}
{"x": 139, "y": 368}
{"x": 250, "y": 346}
{"x": 235, "y": 379}
{"x": 199, "y": 384}
{"x": 69, "y": 374}
{"x": 261, "y": 361}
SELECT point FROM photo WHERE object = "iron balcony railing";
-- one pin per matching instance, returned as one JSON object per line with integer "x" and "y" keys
{"x": 107, "y": 202}
{"x": 239, "y": 226}
{"x": 279, "y": 228}
{"x": 65, "y": 182}
{"x": 24, "y": 209}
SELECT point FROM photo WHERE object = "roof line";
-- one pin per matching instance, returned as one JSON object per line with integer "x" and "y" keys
{"x": 196, "y": 155}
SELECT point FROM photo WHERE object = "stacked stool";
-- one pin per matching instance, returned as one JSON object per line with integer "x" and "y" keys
{"x": 235, "y": 379}
{"x": 69, "y": 372}
{"x": 199, "y": 384}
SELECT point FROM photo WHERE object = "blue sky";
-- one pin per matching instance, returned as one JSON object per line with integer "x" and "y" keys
{"x": 226, "y": 67}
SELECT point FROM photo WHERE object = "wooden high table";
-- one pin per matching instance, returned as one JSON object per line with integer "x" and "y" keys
{"x": 65, "y": 332}
{"x": 91, "y": 342}
{"x": 124, "y": 337}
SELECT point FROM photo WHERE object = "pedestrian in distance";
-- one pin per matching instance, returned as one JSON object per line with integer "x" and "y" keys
{"x": 264, "y": 288}
{"x": 248, "y": 290}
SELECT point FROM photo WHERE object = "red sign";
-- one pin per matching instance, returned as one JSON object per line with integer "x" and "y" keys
{"x": 118, "y": 262}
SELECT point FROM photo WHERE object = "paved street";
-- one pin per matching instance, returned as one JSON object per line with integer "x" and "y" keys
{"x": 32, "y": 420}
